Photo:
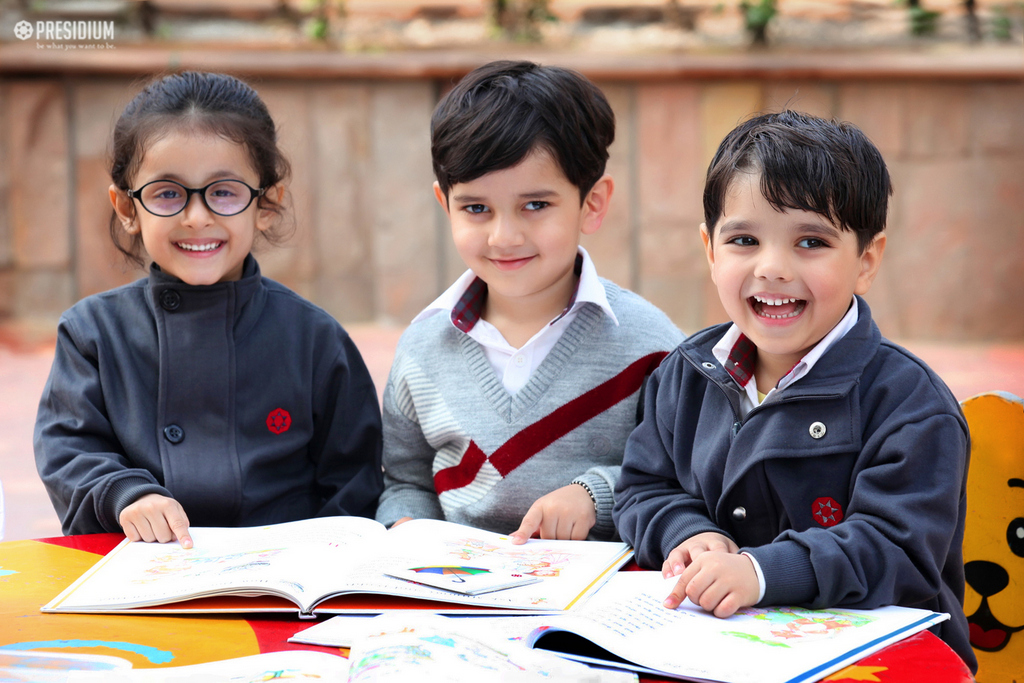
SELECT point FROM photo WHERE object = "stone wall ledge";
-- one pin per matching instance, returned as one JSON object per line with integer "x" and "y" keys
{"x": 945, "y": 63}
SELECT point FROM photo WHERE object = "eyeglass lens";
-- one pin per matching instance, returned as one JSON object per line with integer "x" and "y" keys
{"x": 166, "y": 197}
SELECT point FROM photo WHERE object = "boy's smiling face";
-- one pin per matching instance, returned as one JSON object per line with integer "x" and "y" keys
{"x": 786, "y": 278}
{"x": 518, "y": 229}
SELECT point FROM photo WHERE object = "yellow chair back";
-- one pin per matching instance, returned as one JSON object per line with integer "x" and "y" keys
{"x": 994, "y": 536}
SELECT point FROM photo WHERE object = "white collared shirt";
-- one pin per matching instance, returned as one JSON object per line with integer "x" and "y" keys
{"x": 749, "y": 398}
{"x": 516, "y": 366}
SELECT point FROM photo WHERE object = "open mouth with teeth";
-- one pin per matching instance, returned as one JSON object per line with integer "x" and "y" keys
{"x": 198, "y": 248}
{"x": 776, "y": 309}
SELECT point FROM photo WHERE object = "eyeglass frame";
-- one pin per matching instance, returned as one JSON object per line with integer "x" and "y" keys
{"x": 201, "y": 191}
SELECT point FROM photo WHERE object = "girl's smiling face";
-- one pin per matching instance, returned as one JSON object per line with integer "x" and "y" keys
{"x": 196, "y": 245}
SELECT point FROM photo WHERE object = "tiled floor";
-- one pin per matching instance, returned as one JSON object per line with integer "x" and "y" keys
{"x": 25, "y": 358}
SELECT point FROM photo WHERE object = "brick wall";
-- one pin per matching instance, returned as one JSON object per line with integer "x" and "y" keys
{"x": 371, "y": 245}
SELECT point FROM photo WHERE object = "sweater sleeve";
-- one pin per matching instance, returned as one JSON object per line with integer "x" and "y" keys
{"x": 408, "y": 464}
{"x": 656, "y": 508}
{"x": 601, "y": 482}
{"x": 79, "y": 458}
{"x": 347, "y": 441}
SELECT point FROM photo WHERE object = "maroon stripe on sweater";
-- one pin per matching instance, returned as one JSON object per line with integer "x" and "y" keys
{"x": 464, "y": 473}
{"x": 550, "y": 428}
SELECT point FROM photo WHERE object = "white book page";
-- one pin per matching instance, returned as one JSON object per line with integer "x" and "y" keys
{"x": 344, "y": 630}
{"x": 292, "y": 664}
{"x": 294, "y": 558}
{"x": 756, "y": 645}
{"x": 567, "y": 569}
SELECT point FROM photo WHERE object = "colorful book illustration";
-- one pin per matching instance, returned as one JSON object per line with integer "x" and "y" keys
{"x": 432, "y": 648}
{"x": 625, "y": 625}
{"x": 462, "y": 579}
{"x": 321, "y": 563}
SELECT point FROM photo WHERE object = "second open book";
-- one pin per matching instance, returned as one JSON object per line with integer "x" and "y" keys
{"x": 625, "y": 625}
{"x": 315, "y": 563}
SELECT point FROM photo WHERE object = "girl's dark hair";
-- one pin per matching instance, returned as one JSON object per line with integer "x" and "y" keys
{"x": 502, "y": 111}
{"x": 211, "y": 103}
{"x": 807, "y": 163}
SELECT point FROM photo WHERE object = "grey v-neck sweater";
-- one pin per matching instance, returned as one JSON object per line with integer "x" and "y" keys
{"x": 458, "y": 446}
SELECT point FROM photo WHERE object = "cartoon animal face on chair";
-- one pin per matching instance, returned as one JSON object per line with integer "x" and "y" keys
{"x": 994, "y": 536}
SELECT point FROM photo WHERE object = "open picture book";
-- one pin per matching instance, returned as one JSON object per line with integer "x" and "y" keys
{"x": 625, "y": 625}
{"x": 321, "y": 563}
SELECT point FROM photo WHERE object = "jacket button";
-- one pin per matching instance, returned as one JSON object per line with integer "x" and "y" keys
{"x": 170, "y": 300}
{"x": 174, "y": 433}
{"x": 817, "y": 430}
{"x": 739, "y": 514}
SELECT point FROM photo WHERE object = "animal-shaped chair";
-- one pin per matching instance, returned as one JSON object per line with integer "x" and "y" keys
{"x": 994, "y": 536}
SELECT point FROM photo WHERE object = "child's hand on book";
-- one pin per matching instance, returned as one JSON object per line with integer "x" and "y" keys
{"x": 565, "y": 514}
{"x": 156, "y": 518}
{"x": 688, "y": 551}
{"x": 720, "y": 582}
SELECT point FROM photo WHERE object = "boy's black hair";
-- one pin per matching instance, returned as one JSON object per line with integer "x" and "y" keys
{"x": 808, "y": 163}
{"x": 211, "y": 103}
{"x": 502, "y": 111}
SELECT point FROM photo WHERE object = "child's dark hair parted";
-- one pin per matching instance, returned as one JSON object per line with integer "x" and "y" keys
{"x": 504, "y": 110}
{"x": 807, "y": 163}
{"x": 204, "y": 103}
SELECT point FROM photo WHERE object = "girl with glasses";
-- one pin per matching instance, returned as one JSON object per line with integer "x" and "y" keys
{"x": 205, "y": 393}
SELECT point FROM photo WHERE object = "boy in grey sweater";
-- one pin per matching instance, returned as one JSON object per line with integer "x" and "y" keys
{"x": 512, "y": 395}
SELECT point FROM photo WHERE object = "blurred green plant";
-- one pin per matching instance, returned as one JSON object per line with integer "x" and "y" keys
{"x": 923, "y": 21}
{"x": 1002, "y": 23}
{"x": 756, "y": 18}
{"x": 322, "y": 14}
{"x": 521, "y": 20}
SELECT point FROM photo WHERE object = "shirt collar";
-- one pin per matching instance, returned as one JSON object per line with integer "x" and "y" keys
{"x": 737, "y": 353}
{"x": 464, "y": 300}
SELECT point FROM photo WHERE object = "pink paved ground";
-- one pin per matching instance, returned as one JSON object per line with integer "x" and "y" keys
{"x": 26, "y": 354}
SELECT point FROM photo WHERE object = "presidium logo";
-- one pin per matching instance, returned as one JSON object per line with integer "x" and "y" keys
{"x": 61, "y": 30}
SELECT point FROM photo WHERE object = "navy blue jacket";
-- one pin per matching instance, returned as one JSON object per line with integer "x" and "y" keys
{"x": 848, "y": 486}
{"x": 243, "y": 401}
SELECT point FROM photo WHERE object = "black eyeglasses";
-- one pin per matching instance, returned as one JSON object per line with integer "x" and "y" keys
{"x": 168, "y": 198}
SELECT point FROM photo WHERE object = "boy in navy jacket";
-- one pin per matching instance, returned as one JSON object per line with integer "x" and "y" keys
{"x": 794, "y": 456}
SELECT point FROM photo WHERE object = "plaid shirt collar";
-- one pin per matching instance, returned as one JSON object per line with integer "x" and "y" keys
{"x": 470, "y": 306}
{"x": 740, "y": 361}
{"x": 465, "y": 299}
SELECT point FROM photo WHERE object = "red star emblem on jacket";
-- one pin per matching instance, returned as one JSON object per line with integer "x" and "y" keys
{"x": 826, "y": 511}
{"x": 279, "y": 421}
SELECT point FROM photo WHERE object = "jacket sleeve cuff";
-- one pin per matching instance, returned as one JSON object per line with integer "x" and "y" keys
{"x": 788, "y": 574}
{"x": 122, "y": 493}
{"x": 601, "y": 493}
